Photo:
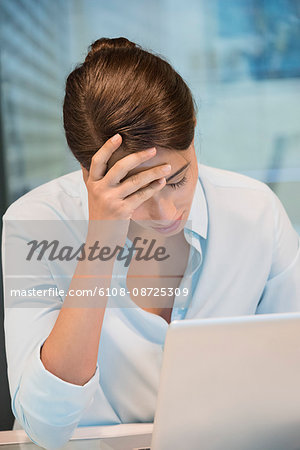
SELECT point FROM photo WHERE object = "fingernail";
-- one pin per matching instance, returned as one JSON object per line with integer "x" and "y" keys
{"x": 161, "y": 180}
{"x": 166, "y": 168}
{"x": 151, "y": 150}
{"x": 116, "y": 137}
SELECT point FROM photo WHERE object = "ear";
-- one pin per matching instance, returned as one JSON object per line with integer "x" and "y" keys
{"x": 195, "y": 122}
{"x": 85, "y": 173}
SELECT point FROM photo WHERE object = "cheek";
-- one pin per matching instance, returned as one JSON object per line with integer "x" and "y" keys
{"x": 189, "y": 195}
{"x": 180, "y": 197}
{"x": 139, "y": 213}
{"x": 190, "y": 190}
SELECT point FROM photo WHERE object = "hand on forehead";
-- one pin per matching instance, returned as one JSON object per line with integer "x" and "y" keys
{"x": 163, "y": 156}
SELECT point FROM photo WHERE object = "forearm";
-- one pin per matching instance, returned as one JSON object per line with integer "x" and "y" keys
{"x": 71, "y": 350}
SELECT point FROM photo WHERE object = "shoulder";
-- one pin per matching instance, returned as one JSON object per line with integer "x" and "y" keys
{"x": 61, "y": 197}
{"x": 235, "y": 190}
{"x": 223, "y": 179}
{"x": 239, "y": 200}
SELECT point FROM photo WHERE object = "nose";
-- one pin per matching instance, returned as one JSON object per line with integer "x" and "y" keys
{"x": 161, "y": 208}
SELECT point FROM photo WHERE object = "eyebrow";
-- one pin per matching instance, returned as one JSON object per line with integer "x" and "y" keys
{"x": 178, "y": 172}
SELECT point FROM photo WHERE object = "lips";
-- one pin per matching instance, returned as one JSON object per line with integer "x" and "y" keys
{"x": 170, "y": 227}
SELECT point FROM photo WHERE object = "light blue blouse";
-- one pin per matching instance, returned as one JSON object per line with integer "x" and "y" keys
{"x": 244, "y": 259}
{"x": 186, "y": 287}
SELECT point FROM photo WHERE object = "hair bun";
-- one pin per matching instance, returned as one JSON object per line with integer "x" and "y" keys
{"x": 109, "y": 44}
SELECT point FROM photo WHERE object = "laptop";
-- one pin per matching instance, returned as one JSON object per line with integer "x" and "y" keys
{"x": 230, "y": 384}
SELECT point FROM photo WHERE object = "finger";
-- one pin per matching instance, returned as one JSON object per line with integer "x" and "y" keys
{"x": 139, "y": 197}
{"x": 101, "y": 157}
{"x": 141, "y": 179}
{"x": 121, "y": 168}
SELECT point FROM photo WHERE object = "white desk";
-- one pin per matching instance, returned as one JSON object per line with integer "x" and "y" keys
{"x": 114, "y": 437}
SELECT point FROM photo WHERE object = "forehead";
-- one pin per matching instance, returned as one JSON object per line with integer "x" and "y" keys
{"x": 177, "y": 158}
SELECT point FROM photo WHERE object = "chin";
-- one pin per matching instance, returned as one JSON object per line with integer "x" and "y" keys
{"x": 171, "y": 232}
{"x": 148, "y": 227}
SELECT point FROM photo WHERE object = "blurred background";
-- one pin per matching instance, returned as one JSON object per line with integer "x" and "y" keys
{"x": 241, "y": 59}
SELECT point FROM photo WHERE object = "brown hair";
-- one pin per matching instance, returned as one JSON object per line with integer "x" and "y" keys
{"x": 122, "y": 88}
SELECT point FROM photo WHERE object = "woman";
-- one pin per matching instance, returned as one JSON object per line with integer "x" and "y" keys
{"x": 226, "y": 245}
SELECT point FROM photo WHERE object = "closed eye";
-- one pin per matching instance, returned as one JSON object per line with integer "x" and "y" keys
{"x": 179, "y": 183}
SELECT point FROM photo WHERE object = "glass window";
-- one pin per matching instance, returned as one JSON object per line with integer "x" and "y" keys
{"x": 241, "y": 60}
